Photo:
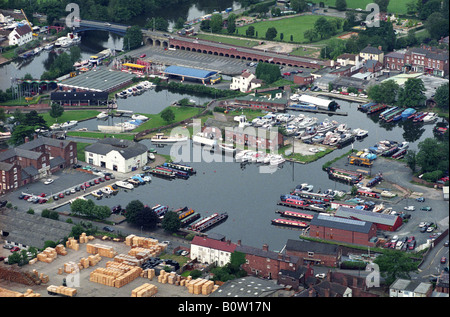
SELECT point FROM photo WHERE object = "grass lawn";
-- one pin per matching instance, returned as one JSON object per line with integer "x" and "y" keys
{"x": 155, "y": 120}
{"x": 229, "y": 40}
{"x": 395, "y": 6}
{"x": 71, "y": 115}
{"x": 294, "y": 26}
{"x": 100, "y": 135}
{"x": 307, "y": 52}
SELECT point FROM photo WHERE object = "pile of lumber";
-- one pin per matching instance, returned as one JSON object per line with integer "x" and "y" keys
{"x": 148, "y": 273}
{"x": 100, "y": 249}
{"x": 8, "y": 293}
{"x": 145, "y": 290}
{"x": 47, "y": 256}
{"x": 85, "y": 239}
{"x": 70, "y": 267}
{"x": 128, "y": 259}
{"x": 62, "y": 290}
{"x": 72, "y": 243}
{"x": 200, "y": 286}
{"x": 169, "y": 278}
{"x": 153, "y": 245}
{"x": 115, "y": 274}
{"x": 84, "y": 263}
{"x": 42, "y": 277}
{"x": 61, "y": 249}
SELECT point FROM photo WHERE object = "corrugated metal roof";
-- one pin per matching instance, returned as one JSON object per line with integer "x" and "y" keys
{"x": 189, "y": 72}
{"x": 341, "y": 223}
{"x": 364, "y": 215}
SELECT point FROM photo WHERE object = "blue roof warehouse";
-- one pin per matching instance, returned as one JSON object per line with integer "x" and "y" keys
{"x": 193, "y": 74}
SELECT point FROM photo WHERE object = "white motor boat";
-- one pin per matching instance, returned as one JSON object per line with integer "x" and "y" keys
{"x": 125, "y": 185}
{"x": 69, "y": 124}
{"x": 139, "y": 117}
{"x": 360, "y": 133}
{"x": 37, "y": 50}
{"x": 161, "y": 138}
{"x": 102, "y": 115}
{"x": 49, "y": 47}
{"x": 430, "y": 117}
{"x": 240, "y": 156}
{"x": 276, "y": 160}
{"x": 55, "y": 126}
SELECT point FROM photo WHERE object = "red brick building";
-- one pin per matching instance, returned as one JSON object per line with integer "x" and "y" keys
{"x": 394, "y": 61}
{"x": 259, "y": 139}
{"x": 382, "y": 221}
{"x": 303, "y": 79}
{"x": 342, "y": 230}
{"x": 314, "y": 253}
{"x": 265, "y": 263}
{"x": 33, "y": 160}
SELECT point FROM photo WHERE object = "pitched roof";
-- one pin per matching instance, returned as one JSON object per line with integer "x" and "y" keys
{"x": 363, "y": 215}
{"x": 214, "y": 244}
{"x": 302, "y": 245}
{"x": 266, "y": 254}
{"x": 371, "y": 50}
{"x": 341, "y": 223}
{"x": 22, "y": 30}
{"x": 126, "y": 148}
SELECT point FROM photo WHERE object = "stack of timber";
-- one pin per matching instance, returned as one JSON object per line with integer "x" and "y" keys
{"x": 61, "y": 290}
{"x": 169, "y": 278}
{"x": 115, "y": 274}
{"x": 145, "y": 290}
{"x": 85, "y": 239}
{"x": 48, "y": 255}
{"x": 128, "y": 260}
{"x": 146, "y": 243}
{"x": 61, "y": 249}
{"x": 148, "y": 273}
{"x": 72, "y": 243}
{"x": 42, "y": 277}
{"x": 201, "y": 286}
{"x": 70, "y": 267}
{"x": 100, "y": 249}
{"x": 8, "y": 293}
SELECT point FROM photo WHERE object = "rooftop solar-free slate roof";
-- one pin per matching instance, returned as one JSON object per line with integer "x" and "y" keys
{"x": 341, "y": 223}
{"x": 189, "y": 72}
{"x": 99, "y": 79}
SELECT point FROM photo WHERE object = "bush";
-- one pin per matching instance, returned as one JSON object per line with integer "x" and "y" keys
{"x": 432, "y": 176}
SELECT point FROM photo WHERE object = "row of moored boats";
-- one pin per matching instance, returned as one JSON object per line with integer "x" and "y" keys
{"x": 135, "y": 90}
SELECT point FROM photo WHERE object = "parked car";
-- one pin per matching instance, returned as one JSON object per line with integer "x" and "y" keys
{"x": 321, "y": 275}
{"x": 423, "y": 229}
{"x": 48, "y": 181}
{"x": 61, "y": 195}
{"x": 420, "y": 199}
{"x": 430, "y": 229}
{"x": 109, "y": 229}
{"x": 443, "y": 260}
{"x": 412, "y": 245}
{"x": 410, "y": 208}
{"x": 422, "y": 224}
{"x": 55, "y": 197}
{"x": 425, "y": 208}
{"x": 14, "y": 249}
{"x": 143, "y": 55}
{"x": 7, "y": 246}
{"x": 446, "y": 243}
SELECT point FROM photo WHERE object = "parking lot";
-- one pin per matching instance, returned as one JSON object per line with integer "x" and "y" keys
{"x": 397, "y": 179}
{"x": 86, "y": 288}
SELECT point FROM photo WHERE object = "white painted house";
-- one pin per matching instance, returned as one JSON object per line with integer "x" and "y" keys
{"x": 116, "y": 154}
{"x": 245, "y": 82}
{"x": 209, "y": 251}
{"x": 20, "y": 35}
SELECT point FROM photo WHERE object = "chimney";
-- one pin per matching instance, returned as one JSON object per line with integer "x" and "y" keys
{"x": 265, "y": 247}
{"x": 380, "y": 48}
{"x": 35, "y": 136}
{"x": 27, "y": 139}
{"x": 228, "y": 242}
{"x": 239, "y": 242}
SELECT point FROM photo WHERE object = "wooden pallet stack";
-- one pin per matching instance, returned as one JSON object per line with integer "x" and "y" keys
{"x": 63, "y": 290}
{"x": 72, "y": 243}
{"x": 128, "y": 259}
{"x": 30, "y": 293}
{"x": 70, "y": 267}
{"x": 48, "y": 255}
{"x": 169, "y": 278}
{"x": 153, "y": 245}
{"x": 61, "y": 249}
{"x": 200, "y": 286}
{"x": 100, "y": 249}
{"x": 85, "y": 239}
{"x": 115, "y": 274}
{"x": 145, "y": 290}
{"x": 148, "y": 273}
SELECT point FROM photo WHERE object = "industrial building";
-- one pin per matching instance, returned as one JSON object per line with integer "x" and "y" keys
{"x": 339, "y": 229}
{"x": 383, "y": 221}
{"x": 192, "y": 74}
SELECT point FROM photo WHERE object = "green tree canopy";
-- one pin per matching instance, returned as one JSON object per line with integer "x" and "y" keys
{"x": 394, "y": 264}
{"x": 412, "y": 94}
{"x": 168, "y": 115}
{"x": 216, "y": 23}
{"x": 269, "y": 73}
{"x": 171, "y": 222}
{"x": 386, "y": 92}
{"x": 441, "y": 96}
{"x": 133, "y": 38}
{"x": 271, "y": 33}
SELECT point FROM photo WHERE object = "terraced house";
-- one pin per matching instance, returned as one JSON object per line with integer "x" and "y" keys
{"x": 34, "y": 160}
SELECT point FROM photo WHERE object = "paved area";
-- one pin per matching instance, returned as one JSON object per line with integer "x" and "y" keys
{"x": 227, "y": 66}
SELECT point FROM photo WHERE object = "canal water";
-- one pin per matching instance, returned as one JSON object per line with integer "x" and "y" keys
{"x": 250, "y": 196}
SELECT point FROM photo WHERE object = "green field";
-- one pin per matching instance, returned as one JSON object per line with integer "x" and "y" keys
{"x": 71, "y": 115}
{"x": 295, "y": 26}
{"x": 228, "y": 40}
{"x": 395, "y": 6}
